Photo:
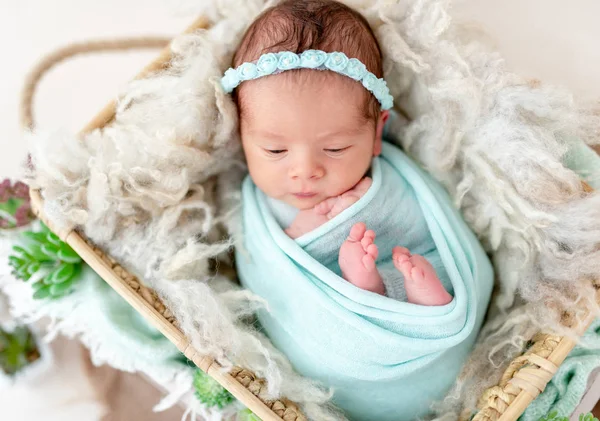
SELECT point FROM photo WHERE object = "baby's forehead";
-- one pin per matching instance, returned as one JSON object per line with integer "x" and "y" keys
{"x": 303, "y": 80}
{"x": 286, "y": 109}
{"x": 305, "y": 88}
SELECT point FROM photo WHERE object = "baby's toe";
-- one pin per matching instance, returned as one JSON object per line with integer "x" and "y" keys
{"x": 417, "y": 274}
{"x": 368, "y": 262}
{"x": 368, "y": 239}
{"x": 423, "y": 286}
{"x": 373, "y": 251}
{"x": 403, "y": 264}
{"x": 400, "y": 255}
{"x": 357, "y": 232}
{"x": 398, "y": 251}
{"x": 422, "y": 263}
{"x": 370, "y": 234}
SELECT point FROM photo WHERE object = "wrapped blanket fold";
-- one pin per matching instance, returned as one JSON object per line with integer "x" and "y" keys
{"x": 385, "y": 359}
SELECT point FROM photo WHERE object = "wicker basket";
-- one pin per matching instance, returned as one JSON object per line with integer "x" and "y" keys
{"x": 522, "y": 382}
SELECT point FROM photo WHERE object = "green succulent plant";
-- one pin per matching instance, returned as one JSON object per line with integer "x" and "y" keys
{"x": 17, "y": 350}
{"x": 44, "y": 251}
{"x": 553, "y": 416}
{"x": 209, "y": 392}
{"x": 247, "y": 415}
{"x": 586, "y": 417}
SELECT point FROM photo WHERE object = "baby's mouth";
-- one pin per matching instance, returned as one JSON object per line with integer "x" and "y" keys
{"x": 306, "y": 195}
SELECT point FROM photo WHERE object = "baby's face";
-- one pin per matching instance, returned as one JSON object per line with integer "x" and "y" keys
{"x": 305, "y": 142}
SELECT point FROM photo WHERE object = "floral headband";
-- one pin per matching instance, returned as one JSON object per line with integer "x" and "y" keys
{"x": 273, "y": 63}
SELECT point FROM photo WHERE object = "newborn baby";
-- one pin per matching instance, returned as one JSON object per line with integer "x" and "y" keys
{"x": 309, "y": 136}
{"x": 374, "y": 284}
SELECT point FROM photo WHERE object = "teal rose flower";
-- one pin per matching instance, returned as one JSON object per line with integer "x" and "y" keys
{"x": 288, "y": 61}
{"x": 267, "y": 64}
{"x": 370, "y": 82}
{"x": 387, "y": 103}
{"x": 380, "y": 89}
{"x": 382, "y": 93}
{"x": 247, "y": 71}
{"x": 336, "y": 61}
{"x": 355, "y": 69}
{"x": 230, "y": 80}
{"x": 311, "y": 59}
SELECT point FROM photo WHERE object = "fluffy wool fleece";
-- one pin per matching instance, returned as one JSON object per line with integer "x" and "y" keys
{"x": 160, "y": 187}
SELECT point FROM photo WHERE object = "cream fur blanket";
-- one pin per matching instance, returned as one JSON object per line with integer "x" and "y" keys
{"x": 159, "y": 189}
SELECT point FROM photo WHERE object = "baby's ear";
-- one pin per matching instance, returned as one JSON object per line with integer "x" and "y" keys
{"x": 383, "y": 117}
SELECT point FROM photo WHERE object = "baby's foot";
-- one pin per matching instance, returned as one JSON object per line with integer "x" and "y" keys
{"x": 420, "y": 280}
{"x": 333, "y": 206}
{"x": 357, "y": 259}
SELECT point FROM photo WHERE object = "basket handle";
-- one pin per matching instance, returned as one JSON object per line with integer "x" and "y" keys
{"x": 85, "y": 47}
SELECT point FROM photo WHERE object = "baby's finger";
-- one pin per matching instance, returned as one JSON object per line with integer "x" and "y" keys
{"x": 341, "y": 205}
{"x": 325, "y": 206}
{"x": 364, "y": 185}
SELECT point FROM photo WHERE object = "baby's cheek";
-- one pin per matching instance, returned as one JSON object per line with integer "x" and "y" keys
{"x": 340, "y": 182}
{"x": 269, "y": 180}
{"x": 348, "y": 175}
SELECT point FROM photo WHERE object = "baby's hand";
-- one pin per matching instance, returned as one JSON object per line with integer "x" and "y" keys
{"x": 333, "y": 206}
{"x": 306, "y": 221}
{"x": 309, "y": 219}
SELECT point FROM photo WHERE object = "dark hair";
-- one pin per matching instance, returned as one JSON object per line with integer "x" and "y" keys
{"x": 300, "y": 25}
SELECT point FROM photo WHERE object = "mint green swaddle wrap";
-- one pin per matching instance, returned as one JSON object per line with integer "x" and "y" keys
{"x": 386, "y": 359}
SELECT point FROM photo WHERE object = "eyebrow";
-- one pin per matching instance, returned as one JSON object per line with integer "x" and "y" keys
{"x": 266, "y": 133}
{"x": 345, "y": 131}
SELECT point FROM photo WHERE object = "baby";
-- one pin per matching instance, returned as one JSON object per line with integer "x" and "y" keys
{"x": 309, "y": 136}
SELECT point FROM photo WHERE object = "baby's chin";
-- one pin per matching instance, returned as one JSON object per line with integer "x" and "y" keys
{"x": 306, "y": 203}
{"x": 303, "y": 203}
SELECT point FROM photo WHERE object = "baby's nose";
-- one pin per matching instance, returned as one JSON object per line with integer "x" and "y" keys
{"x": 307, "y": 170}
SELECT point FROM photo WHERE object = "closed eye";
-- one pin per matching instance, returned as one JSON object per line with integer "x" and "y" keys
{"x": 275, "y": 151}
{"x": 339, "y": 150}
